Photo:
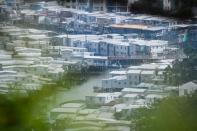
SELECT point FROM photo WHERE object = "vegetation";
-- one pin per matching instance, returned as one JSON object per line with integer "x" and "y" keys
{"x": 23, "y": 113}
{"x": 184, "y": 70}
{"x": 182, "y": 10}
{"x": 173, "y": 113}
{"x": 75, "y": 78}
{"x": 170, "y": 114}
{"x": 29, "y": 112}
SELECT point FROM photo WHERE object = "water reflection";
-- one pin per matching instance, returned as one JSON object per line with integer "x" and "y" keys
{"x": 79, "y": 92}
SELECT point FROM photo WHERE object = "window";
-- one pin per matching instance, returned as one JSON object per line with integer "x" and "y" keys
{"x": 185, "y": 92}
{"x": 130, "y": 77}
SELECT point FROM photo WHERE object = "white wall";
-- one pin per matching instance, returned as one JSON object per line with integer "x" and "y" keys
{"x": 114, "y": 83}
{"x": 187, "y": 91}
{"x": 133, "y": 79}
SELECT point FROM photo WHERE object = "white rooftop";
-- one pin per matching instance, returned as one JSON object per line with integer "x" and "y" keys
{"x": 154, "y": 96}
{"x": 95, "y": 57}
{"x": 120, "y": 107}
{"x": 131, "y": 95}
{"x": 134, "y": 90}
{"x": 117, "y": 94}
{"x": 190, "y": 85}
{"x": 64, "y": 110}
{"x": 133, "y": 71}
{"x": 119, "y": 77}
{"x": 72, "y": 105}
{"x": 147, "y": 72}
{"x": 122, "y": 72}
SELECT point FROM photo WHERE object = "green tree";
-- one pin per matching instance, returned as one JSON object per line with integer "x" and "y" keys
{"x": 182, "y": 71}
{"x": 28, "y": 112}
{"x": 170, "y": 114}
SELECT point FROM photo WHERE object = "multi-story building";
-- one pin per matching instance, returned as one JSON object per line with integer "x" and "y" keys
{"x": 183, "y": 34}
{"x": 102, "y": 98}
{"x": 100, "y": 5}
{"x": 119, "y": 5}
{"x": 168, "y": 5}
{"x": 107, "y": 45}
{"x": 115, "y": 83}
{"x": 13, "y": 3}
{"x": 88, "y": 5}
{"x": 133, "y": 77}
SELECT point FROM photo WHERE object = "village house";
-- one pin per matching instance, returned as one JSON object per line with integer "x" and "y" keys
{"x": 188, "y": 88}
{"x": 102, "y": 98}
{"x": 114, "y": 83}
{"x": 130, "y": 98}
{"x": 133, "y": 91}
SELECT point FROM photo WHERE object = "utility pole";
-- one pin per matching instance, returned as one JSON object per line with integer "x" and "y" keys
{"x": 88, "y": 5}
{"x": 67, "y": 34}
{"x": 77, "y": 4}
{"x": 128, "y": 2}
{"x": 104, "y": 6}
{"x": 116, "y": 6}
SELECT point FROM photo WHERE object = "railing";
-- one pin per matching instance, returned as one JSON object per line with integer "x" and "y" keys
{"x": 132, "y": 57}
